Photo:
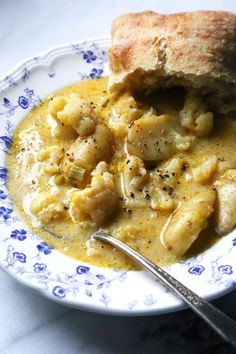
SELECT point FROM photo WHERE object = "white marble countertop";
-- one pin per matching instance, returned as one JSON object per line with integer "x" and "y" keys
{"x": 30, "y": 324}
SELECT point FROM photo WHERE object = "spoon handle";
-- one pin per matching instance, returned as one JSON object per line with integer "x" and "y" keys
{"x": 220, "y": 322}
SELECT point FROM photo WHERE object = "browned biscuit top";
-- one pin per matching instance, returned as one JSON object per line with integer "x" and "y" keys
{"x": 195, "y": 49}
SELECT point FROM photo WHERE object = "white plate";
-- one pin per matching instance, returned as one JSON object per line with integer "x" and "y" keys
{"x": 65, "y": 280}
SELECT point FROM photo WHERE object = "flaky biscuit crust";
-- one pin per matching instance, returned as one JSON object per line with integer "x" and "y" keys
{"x": 195, "y": 49}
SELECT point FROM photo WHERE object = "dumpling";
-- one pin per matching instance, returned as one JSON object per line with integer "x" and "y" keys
{"x": 97, "y": 202}
{"x": 155, "y": 138}
{"x": 85, "y": 153}
{"x": 195, "y": 117}
{"x": 47, "y": 207}
{"x": 74, "y": 112}
{"x": 188, "y": 221}
{"x": 225, "y": 204}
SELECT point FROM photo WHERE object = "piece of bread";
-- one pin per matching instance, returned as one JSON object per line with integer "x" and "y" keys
{"x": 195, "y": 50}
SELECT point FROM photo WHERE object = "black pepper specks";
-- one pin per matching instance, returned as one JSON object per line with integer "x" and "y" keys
{"x": 185, "y": 166}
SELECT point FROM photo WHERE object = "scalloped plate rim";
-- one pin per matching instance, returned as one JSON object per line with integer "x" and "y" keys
{"x": 111, "y": 311}
{"x": 47, "y": 55}
{"x": 46, "y": 59}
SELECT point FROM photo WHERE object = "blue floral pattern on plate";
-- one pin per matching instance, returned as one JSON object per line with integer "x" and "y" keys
{"x": 197, "y": 269}
{"x": 34, "y": 262}
{"x": 19, "y": 235}
{"x": 45, "y": 248}
{"x": 40, "y": 267}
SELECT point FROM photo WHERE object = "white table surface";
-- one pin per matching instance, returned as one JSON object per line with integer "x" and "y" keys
{"x": 30, "y": 324}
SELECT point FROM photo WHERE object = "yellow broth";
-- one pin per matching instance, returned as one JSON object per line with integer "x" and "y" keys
{"x": 139, "y": 227}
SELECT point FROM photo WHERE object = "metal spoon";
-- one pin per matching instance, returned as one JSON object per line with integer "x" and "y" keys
{"x": 221, "y": 323}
